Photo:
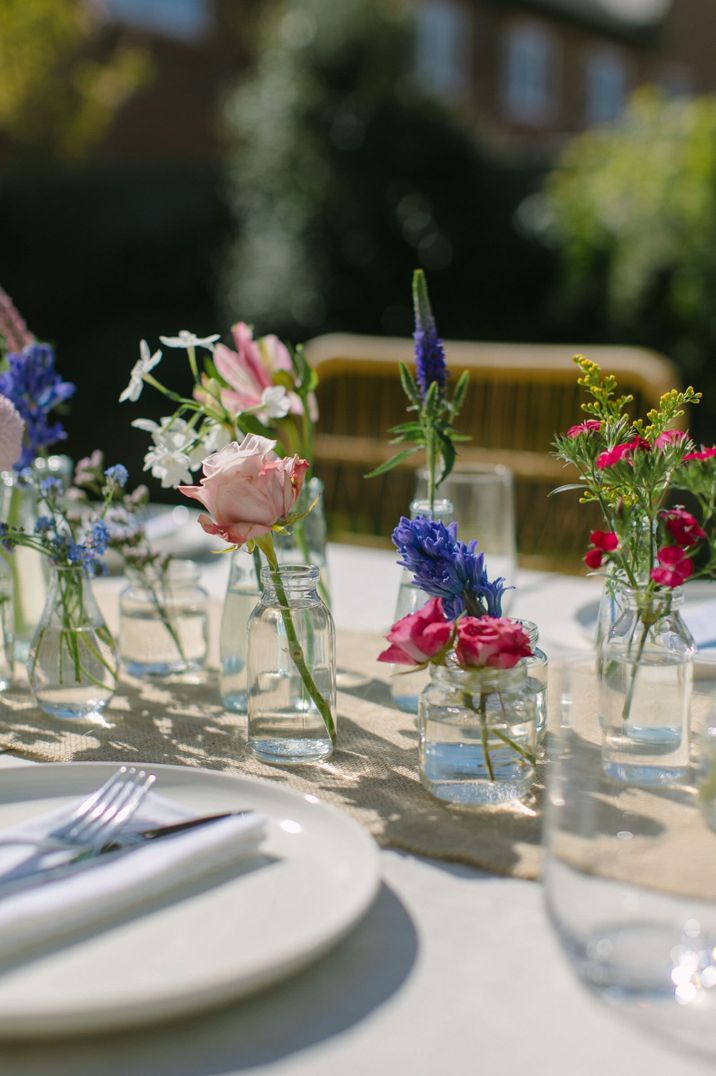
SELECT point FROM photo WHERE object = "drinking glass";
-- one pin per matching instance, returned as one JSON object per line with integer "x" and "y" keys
{"x": 630, "y": 873}
{"x": 483, "y": 503}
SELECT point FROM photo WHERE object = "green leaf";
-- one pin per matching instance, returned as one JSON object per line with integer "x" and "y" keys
{"x": 447, "y": 451}
{"x": 458, "y": 396}
{"x": 564, "y": 489}
{"x": 407, "y": 427}
{"x": 391, "y": 463}
{"x": 410, "y": 387}
{"x": 432, "y": 399}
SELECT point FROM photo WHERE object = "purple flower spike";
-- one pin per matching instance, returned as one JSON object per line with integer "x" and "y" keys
{"x": 34, "y": 386}
{"x": 429, "y": 354}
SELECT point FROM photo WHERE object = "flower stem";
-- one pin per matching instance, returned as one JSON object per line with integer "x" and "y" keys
{"x": 294, "y": 645}
{"x": 483, "y": 735}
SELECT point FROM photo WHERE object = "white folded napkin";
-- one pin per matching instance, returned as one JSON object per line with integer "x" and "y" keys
{"x": 45, "y": 912}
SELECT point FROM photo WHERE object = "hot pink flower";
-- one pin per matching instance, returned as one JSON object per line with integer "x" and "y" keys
{"x": 590, "y": 425}
{"x": 593, "y": 558}
{"x": 674, "y": 568}
{"x": 246, "y": 489}
{"x": 12, "y": 429}
{"x": 614, "y": 455}
{"x": 607, "y": 541}
{"x": 250, "y": 373}
{"x": 669, "y": 437}
{"x": 418, "y": 636}
{"x": 704, "y": 454}
{"x": 682, "y": 527}
{"x": 488, "y": 640}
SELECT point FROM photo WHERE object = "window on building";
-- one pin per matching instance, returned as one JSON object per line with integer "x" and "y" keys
{"x": 606, "y": 87}
{"x": 186, "y": 19}
{"x": 530, "y": 75}
{"x": 442, "y": 47}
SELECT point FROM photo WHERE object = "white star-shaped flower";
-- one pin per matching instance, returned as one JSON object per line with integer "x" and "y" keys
{"x": 185, "y": 339}
{"x": 144, "y": 364}
{"x": 275, "y": 402}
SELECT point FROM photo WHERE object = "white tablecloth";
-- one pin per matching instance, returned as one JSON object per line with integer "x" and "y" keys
{"x": 450, "y": 970}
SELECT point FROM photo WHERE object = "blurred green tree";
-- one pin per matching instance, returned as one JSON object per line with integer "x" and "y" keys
{"x": 632, "y": 211}
{"x": 57, "y": 92}
{"x": 345, "y": 174}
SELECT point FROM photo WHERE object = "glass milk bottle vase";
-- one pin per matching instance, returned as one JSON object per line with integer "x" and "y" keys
{"x": 72, "y": 665}
{"x": 405, "y": 687}
{"x": 305, "y": 541}
{"x": 242, "y": 593}
{"x": 645, "y": 690}
{"x": 28, "y": 567}
{"x": 291, "y": 669}
{"x": 163, "y": 621}
{"x": 477, "y": 735}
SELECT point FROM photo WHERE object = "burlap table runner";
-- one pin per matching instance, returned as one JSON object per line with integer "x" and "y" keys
{"x": 372, "y": 774}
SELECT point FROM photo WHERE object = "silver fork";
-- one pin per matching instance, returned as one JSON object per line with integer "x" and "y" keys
{"x": 98, "y": 818}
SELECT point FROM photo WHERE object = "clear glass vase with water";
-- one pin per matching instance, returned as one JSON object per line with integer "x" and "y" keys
{"x": 163, "y": 621}
{"x": 291, "y": 669}
{"x": 72, "y": 665}
{"x": 645, "y": 690}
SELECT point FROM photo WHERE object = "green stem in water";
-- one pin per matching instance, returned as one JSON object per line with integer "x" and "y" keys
{"x": 483, "y": 735}
{"x": 632, "y": 682}
{"x": 295, "y": 650}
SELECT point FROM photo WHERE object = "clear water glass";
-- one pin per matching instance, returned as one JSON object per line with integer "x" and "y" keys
{"x": 630, "y": 873}
{"x": 242, "y": 594}
{"x": 483, "y": 503}
{"x": 285, "y": 724}
{"x": 163, "y": 621}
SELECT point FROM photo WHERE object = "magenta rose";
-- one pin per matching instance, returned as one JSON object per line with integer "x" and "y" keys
{"x": 682, "y": 526}
{"x": 590, "y": 425}
{"x": 417, "y": 637}
{"x": 487, "y": 640}
{"x": 674, "y": 568}
{"x": 246, "y": 489}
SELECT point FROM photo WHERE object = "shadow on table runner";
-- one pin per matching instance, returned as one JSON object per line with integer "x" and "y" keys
{"x": 372, "y": 774}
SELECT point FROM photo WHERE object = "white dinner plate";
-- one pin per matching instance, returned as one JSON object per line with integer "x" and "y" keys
{"x": 316, "y": 875}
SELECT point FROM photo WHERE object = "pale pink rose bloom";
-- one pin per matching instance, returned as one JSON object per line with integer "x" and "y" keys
{"x": 418, "y": 636}
{"x": 12, "y": 429}
{"x": 495, "y": 641}
{"x": 246, "y": 489}
{"x": 250, "y": 370}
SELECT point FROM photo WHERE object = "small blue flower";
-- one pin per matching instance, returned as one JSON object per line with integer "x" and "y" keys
{"x": 446, "y": 568}
{"x": 44, "y": 524}
{"x": 118, "y": 474}
{"x": 99, "y": 537}
{"x": 52, "y": 486}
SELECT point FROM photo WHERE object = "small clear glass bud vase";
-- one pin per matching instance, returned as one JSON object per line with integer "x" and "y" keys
{"x": 72, "y": 665}
{"x": 477, "y": 735}
{"x": 405, "y": 688}
{"x": 163, "y": 621}
{"x": 645, "y": 690}
{"x": 291, "y": 669}
{"x": 242, "y": 593}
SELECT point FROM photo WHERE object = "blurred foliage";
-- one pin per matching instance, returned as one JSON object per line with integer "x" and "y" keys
{"x": 632, "y": 211}
{"x": 56, "y": 97}
{"x": 345, "y": 175}
{"x": 99, "y": 257}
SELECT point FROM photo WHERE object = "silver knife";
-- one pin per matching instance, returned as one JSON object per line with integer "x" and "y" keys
{"x": 83, "y": 858}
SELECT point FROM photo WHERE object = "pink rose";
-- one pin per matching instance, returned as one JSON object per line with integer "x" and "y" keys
{"x": 417, "y": 637}
{"x": 683, "y": 527}
{"x": 12, "y": 429}
{"x": 674, "y": 568}
{"x": 246, "y": 488}
{"x": 590, "y": 425}
{"x": 488, "y": 640}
